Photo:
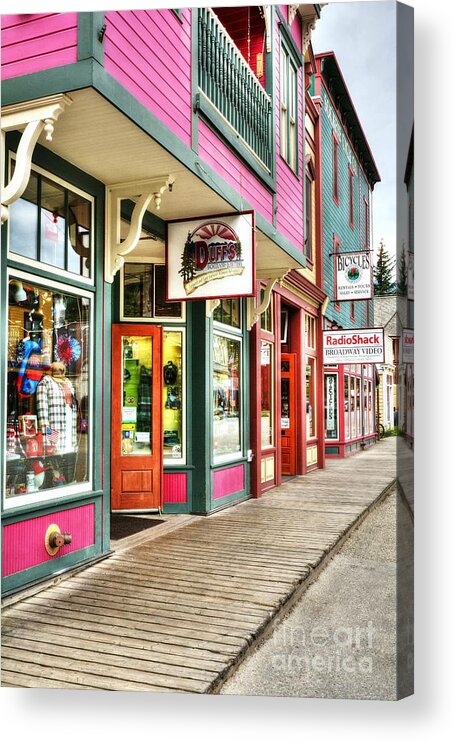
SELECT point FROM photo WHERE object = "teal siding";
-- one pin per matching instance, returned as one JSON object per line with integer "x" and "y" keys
{"x": 336, "y": 216}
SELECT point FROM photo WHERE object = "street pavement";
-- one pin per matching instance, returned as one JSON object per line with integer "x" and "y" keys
{"x": 340, "y": 639}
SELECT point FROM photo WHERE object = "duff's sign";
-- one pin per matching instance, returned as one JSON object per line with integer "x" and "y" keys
{"x": 353, "y": 276}
{"x": 210, "y": 258}
{"x": 353, "y": 346}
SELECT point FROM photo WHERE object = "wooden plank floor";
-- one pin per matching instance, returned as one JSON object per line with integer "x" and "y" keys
{"x": 174, "y": 613}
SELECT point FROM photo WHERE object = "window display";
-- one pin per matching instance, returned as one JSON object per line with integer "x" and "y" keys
{"x": 173, "y": 444}
{"x": 137, "y": 396}
{"x": 48, "y": 388}
{"x": 266, "y": 394}
{"x": 226, "y": 395}
{"x": 311, "y": 398}
{"x": 331, "y": 406}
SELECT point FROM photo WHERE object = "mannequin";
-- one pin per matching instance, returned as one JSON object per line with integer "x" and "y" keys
{"x": 57, "y": 409}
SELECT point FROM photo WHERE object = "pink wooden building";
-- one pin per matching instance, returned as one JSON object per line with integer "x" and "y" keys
{"x": 117, "y": 127}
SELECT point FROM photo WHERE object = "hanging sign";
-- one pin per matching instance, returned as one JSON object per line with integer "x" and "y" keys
{"x": 211, "y": 257}
{"x": 407, "y": 346}
{"x": 353, "y": 346}
{"x": 353, "y": 276}
{"x": 330, "y": 390}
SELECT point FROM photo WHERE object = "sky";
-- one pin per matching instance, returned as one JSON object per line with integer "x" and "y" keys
{"x": 363, "y": 37}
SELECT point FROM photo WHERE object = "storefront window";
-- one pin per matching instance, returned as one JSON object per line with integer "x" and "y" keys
{"x": 266, "y": 394}
{"x": 331, "y": 407}
{"x": 266, "y": 316}
{"x": 144, "y": 293}
{"x": 352, "y": 404}
{"x": 347, "y": 414}
{"x": 173, "y": 400}
{"x": 52, "y": 224}
{"x": 228, "y": 312}
{"x": 48, "y": 436}
{"x": 358, "y": 406}
{"x": 226, "y": 396}
{"x": 310, "y": 398}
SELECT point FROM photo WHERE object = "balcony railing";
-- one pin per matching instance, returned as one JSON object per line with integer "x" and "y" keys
{"x": 231, "y": 86}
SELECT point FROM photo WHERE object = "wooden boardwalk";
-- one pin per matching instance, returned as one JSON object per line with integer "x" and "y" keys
{"x": 176, "y": 612}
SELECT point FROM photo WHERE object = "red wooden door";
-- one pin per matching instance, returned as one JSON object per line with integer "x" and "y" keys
{"x": 136, "y": 425}
{"x": 288, "y": 414}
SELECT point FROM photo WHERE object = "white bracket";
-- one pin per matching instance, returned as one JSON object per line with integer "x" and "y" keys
{"x": 272, "y": 276}
{"x": 32, "y": 117}
{"x": 143, "y": 193}
{"x": 211, "y": 305}
{"x": 267, "y": 15}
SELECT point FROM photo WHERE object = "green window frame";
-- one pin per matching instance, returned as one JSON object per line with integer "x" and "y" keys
{"x": 288, "y": 108}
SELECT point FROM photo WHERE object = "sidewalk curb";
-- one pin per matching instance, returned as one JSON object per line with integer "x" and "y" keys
{"x": 264, "y": 631}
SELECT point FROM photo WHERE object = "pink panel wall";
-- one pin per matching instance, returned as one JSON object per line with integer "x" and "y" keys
{"x": 228, "y": 166}
{"x": 228, "y": 481}
{"x": 175, "y": 488}
{"x": 296, "y": 30}
{"x": 23, "y": 542}
{"x": 290, "y": 187}
{"x": 149, "y": 53}
{"x": 31, "y": 43}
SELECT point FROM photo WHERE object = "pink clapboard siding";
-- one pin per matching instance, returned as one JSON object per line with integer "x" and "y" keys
{"x": 23, "y": 542}
{"x": 230, "y": 168}
{"x": 31, "y": 43}
{"x": 289, "y": 187}
{"x": 175, "y": 488}
{"x": 149, "y": 53}
{"x": 228, "y": 481}
{"x": 296, "y": 31}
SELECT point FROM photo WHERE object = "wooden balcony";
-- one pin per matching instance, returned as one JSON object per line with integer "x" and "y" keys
{"x": 230, "y": 85}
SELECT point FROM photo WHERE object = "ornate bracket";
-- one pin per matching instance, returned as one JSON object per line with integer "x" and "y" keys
{"x": 143, "y": 193}
{"x": 272, "y": 276}
{"x": 211, "y": 305}
{"x": 292, "y": 12}
{"x": 267, "y": 15}
{"x": 32, "y": 118}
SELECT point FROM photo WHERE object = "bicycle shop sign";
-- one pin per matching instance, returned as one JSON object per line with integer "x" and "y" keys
{"x": 211, "y": 257}
{"x": 353, "y": 346}
{"x": 353, "y": 276}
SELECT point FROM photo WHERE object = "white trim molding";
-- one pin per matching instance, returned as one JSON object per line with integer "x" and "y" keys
{"x": 32, "y": 117}
{"x": 142, "y": 192}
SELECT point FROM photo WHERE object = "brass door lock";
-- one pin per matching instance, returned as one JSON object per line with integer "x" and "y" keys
{"x": 55, "y": 539}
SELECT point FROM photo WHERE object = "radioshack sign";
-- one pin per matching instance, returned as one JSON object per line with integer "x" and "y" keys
{"x": 353, "y": 346}
{"x": 407, "y": 346}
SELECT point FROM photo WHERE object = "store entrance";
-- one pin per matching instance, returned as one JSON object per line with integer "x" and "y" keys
{"x": 288, "y": 414}
{"x": 136, "y": 425}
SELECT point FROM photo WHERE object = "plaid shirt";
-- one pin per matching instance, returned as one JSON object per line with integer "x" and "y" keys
{"x": 51, "y": 410}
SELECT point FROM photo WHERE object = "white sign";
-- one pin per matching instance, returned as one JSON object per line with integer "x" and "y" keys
{"x": 285, "y": 423}
{"x": 353, "y": 276}
{"x": 407, "y": 346}
{"x": 211, "y": 257}
{"x": 353, "y": 346}
{"x": 129, "y": 414}
{"x": 330, "y": 386}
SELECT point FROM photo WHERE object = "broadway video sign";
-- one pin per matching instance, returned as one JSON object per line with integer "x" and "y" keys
{"x": 211, "y": 257}
{"x": 353, "y": 346}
